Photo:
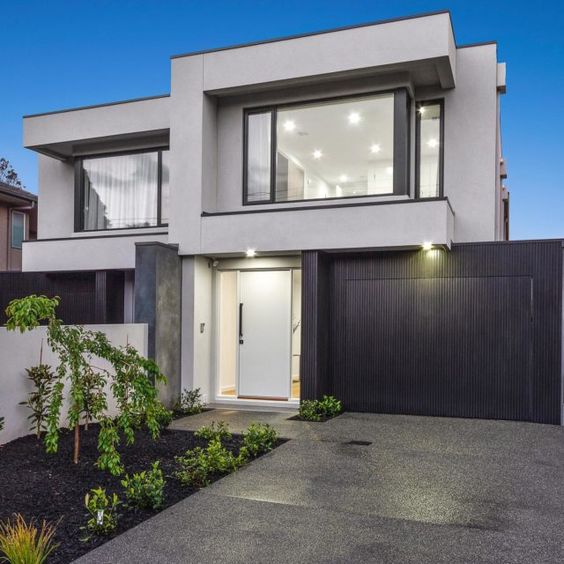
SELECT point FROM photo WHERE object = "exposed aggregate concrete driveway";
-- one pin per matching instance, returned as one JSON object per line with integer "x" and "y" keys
{"x": 425, "y": 490}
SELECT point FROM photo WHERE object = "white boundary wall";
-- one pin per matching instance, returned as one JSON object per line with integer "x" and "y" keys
{"x": 19, "y": 351}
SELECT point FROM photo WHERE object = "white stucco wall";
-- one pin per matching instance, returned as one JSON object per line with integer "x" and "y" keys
{"x": 97, "y": 122}
{"x": 86, "y": 253}
{"x": 19, "y": 351}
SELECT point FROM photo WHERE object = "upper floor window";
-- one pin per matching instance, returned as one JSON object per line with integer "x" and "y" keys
{"x": 429, "y": 170}
{"x": 18, "y": 229}
{"x": 328, "y": 149}
{"x": 123, "y": 191}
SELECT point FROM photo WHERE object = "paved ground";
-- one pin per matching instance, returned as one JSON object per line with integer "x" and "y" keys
{"x": 426, "y": 490}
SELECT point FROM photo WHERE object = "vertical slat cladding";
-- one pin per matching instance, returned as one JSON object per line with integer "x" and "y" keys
{"x": 474, "y": 332}
{"x": 77, "y": 291}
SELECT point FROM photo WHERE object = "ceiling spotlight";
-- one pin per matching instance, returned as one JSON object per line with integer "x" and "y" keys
{"x": 289, "y": 125}
{"x": 251, "y": 253}
{"x": 375, "y": 148}
{"x": 317, "y": 154}
{"x": 427, "y": 246}
{"x": 354, "y": 118}
{"x": 433, "y": 143}
{"x": 343, "y": 178}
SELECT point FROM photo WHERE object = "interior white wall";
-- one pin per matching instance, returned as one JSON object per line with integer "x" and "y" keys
{"x": 19, "y": 351}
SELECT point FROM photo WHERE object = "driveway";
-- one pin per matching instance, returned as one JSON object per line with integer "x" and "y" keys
{"x": 424, "y": 490}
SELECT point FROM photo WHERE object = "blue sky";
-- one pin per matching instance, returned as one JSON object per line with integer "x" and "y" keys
{"x": 61, "y": 54}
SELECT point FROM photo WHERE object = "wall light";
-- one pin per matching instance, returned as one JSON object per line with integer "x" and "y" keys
{"x": 251, "y": 253}
{"x": 354, "y": 118}
{"x": 427, "y": 246}
{"x": 317, "y": 154}
{"x": 289, "y": 125}
{"x": 375, "y": 148}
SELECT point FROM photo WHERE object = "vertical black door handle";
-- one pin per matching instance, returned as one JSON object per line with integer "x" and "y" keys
{"x": 241, "y": 341}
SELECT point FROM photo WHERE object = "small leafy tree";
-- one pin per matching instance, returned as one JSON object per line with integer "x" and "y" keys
{"x": 132, "y": 381}
{"x": 43, "y": 379}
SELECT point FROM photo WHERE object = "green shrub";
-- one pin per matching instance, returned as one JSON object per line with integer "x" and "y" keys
{"x": 330, "y": 406}
{"x": 145, "y": 489}
{"x": 196, "y": 466}
{"x": 316, "y": 410}
{"x": 102, "y": 510}
{"x": 259, "y": 438}
{"x": 25, "y": 543}
{"x": 190, "y": 402}
{"x": 309, "y": 410}
{"x": 216, "y": 431}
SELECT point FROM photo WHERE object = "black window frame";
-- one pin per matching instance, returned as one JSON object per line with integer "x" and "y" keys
{"x": 401, "y": 141}
{"x": 79, "y": 188}
{"x": 24, "y": 216}
{"x": 418, "y": 105}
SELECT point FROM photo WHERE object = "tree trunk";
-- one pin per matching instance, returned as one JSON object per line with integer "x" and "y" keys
{"x": 76, "y": 443}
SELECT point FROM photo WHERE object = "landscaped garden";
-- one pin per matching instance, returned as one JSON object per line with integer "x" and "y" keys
{"x": 66, "y": 491}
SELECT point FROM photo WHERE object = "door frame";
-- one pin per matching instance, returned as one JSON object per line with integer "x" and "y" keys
{"x": 216, "y": 385}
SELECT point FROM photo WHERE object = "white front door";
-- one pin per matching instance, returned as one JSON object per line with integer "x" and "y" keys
{"x": 265, "y": 334}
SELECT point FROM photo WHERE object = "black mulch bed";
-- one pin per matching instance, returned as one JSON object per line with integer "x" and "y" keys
{"x": 51, "y": 487}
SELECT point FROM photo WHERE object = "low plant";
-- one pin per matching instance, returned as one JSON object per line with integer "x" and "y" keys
{"x": 39, "y": 400}
{"x": 216, "y": 431}
{"x": 316, "y": 410}
{"x": 259, "y": 438}
{"x": 1, "y": 423}
{"x": 145, "y": 489}
{"x": 190, "y": 402}
{"x": 102, "y": 511}
{"x": 197, "y": 466}
{"x": 26, "y": 543}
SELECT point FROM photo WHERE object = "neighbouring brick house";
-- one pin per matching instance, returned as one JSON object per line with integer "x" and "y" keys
{"x": 18, "y": 222}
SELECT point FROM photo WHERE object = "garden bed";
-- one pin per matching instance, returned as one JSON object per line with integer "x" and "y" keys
{"x": 51, "y": 487}
{"x": 323, "y": 418}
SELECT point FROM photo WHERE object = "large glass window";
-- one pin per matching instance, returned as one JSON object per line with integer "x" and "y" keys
{"x": 429, "y": 149}
{"x": 330, "y": 149}
{"x": 124, "y": 191}
{"x": 18, "y": 229}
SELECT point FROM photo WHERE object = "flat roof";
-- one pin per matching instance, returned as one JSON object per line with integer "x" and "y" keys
{"x": 265, "y": 42}
{"x": 312, "y": 33}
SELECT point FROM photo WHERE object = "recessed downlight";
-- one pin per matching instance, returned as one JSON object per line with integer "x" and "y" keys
{"x": 289, "y": 125}
{"x": 354, "y": 118}
{"x": 389, "y": 170}
{"x": 433, "y": 143}
{"x": 427, "y": 246}
{"x": 251, "y": 253}
{"x": 343, "y": 178}
{"x": 317, "y": 154}
{"x": 375, "y": 148}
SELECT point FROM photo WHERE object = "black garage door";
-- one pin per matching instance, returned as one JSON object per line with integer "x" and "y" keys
{"x": 441, "y": 346}
{"x": 475, "y": 331}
